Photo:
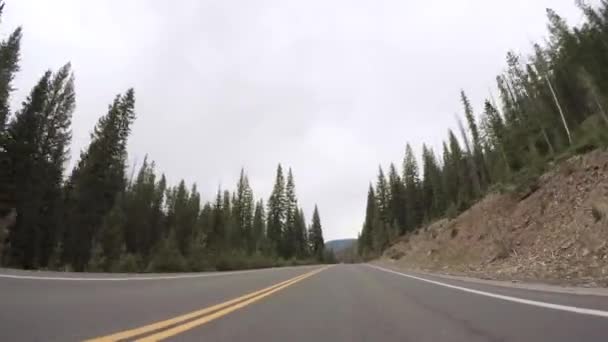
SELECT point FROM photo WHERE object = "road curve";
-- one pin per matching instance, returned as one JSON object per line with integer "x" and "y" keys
{"x": 337, "y": 303}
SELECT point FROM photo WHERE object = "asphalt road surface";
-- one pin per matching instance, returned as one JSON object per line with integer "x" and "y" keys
{"x": 336, "y": 303}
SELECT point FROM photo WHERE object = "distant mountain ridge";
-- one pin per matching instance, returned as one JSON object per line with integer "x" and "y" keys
{"x": 339, "y": 245}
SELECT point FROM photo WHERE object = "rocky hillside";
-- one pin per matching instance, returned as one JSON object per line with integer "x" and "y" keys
{"x": 557, "y": 232}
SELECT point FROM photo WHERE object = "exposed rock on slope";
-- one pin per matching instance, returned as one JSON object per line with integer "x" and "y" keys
{"x": 557, "y": 233}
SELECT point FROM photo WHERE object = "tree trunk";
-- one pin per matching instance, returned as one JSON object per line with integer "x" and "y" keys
{"x": 561, "y": 112}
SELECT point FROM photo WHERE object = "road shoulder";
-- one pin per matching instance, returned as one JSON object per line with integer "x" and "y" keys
{"x": 593, "y": 291}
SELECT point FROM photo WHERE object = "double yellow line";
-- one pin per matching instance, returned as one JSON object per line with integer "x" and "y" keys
{"x": 171, "y": 327}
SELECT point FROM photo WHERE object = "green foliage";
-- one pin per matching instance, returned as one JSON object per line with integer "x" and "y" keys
{"x": 216, "y": 233}
{"x": 182, "y": 216}
{"x": 526, "y": 181}
{"x": 329, "y": 257}
{"x": 452, "y": 211}
{"x": 432, "y": 188}
{"x": 291, "y": 235}
{"x": 350, "y": 255}
{"x": 243, "y": 211}
{"x": 240, "y": 261}
{"x": 382, "y": 196}
{"x": 411, "y": 182}
{"x": 199, "y": 260}
{"x": 111, "y": 234}
{"x": 37, "y": 145}
{"x": 128, "y": 263}
{"x": 397, "y": 200}
{"x": 366, "y": 238}
{"x": 301, "y": 236}
{"x": 168, "y": 258}
{"x": 259, "y": 229}
{"x": 55, "y": 257}
{"x": 553, "y": 104}
{"x": 97, "y": 179}
{"x": 277, "y": 210}
{"x": 98, "y": 261}
{"x": 501, "y": 188}
{"x": 315, "y": 236}
{"x": 9, "y": 65}
{"x": 3, "y": 235}
{"x": 98, "y": 220}
{"x": 591, "y": 134}
{"x": 143, "y": 202}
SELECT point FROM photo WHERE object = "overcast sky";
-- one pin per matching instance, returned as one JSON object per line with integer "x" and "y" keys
{"x": 330, "y": 88}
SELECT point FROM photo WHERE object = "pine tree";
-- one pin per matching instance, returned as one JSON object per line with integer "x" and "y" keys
{"x": 329, "y": 257}
{"x": 380, "y": 238}
{"x": 229, "y": 221}
{"x": 383, "y": 197}
{"x": 98, "y": 259}
{"x": 478, "y": 160}
{"x": 28, "y": 170}
{"x": 432, "y": 192}
{"x": 109, "y": 243}
{"x": 167, "y": 257}
{"x": 290, "y": 238}
{"x": 315, "y": 235}
{"x": 558, "y": 30}
{"x": 139, "y": 207}
{"x": 243, "y": 208}
{"x": 552, "y": 103}
{"x": 277, "y": 212}
{"x": 97, "y": 179}
{"x": 301, "y": 239}
{"x": 192, "y": 211}
{"x": 183, "y": 215}
{"x": 397, "y": 204}
{"x": 157, "y": 228}
{"x": 536, "y": 104}
{"x": 366, "y": 245}
{"x": 493, "y": 129}
{"x": 216, "y": 236}
{"x": 411, "y": 180}
{"x": 458, "y": 168}
{"x": 449, "y": 176}
{"x": 259, "y": 228}
{"x": 469, "y": 167}
{"x": 9, "y": 66}
{"x": 39, "y": 136}
{"x": 594, "y": 97}
{"x": 567, "y": 93}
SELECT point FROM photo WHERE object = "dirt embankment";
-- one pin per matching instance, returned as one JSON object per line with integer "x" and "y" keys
{"x": 556, "y": 234}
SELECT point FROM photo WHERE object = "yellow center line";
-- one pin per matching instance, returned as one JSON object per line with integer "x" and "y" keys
{"x": 179, "y": 319}
{"x": 208, "y": 318}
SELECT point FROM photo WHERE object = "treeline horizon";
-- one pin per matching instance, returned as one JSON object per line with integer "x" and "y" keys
{"x": 552, "y": 104}
{"x": 95, "y": 219}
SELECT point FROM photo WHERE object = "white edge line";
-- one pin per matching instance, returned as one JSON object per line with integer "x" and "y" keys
{"x": 185, "y": 276}
{"x": 546, "y": 305}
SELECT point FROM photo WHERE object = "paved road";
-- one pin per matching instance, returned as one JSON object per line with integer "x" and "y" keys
{"x": 339, "y": 303}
